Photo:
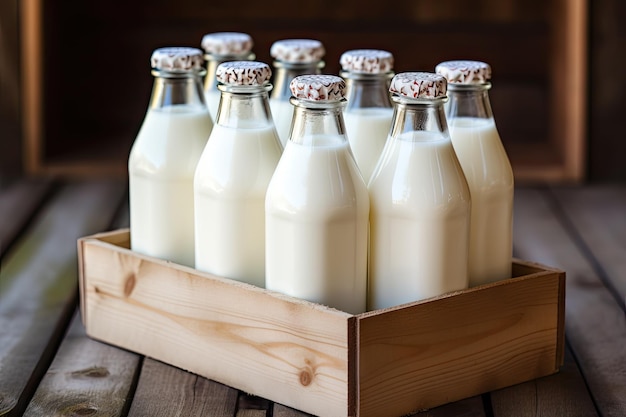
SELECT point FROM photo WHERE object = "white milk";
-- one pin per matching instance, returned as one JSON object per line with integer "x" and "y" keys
{"x": 490, "y": 179}
{"x": 282, "y": 113}
{"x": 212, "y": 99}
{"x": 230, "y": 184}
{"x": 316, "y": 226}
{"x": 161, "y": 168}
{"x": 367, "y": 130}
{"x": 419, "y": 222}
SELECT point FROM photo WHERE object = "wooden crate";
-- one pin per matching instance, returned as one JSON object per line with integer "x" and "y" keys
{"x": 317, "y": 359}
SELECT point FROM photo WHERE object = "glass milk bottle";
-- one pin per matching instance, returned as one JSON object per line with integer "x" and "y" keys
{"x": 486, "y": 166}
{"x": 420, "y": 201}
{"x": 292, "y": 57}
{"x": 222, "y": 47}
{"x": 368, "y": 114}
{"x": 232, "y": 176}
{"x": 317, "y": 204}
{"x": 164, "y": 155}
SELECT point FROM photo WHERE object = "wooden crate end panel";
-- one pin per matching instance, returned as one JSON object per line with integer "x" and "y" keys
{"x": 431, "y": 353}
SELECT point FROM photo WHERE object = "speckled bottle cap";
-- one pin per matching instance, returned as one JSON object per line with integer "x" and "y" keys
{"x": 227, "y": 43}
{"x": 423, "y": 85}
{"x": 297, "y": 50}
{"x": 367, "y": 61}
{"x": 316, "y": 87}
{"x": 243, "y": 73}
{"x": 177, "y": 59}
{"x": 464, "y": 72}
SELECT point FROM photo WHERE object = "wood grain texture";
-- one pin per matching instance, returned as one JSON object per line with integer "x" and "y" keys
{"x": 165, "y": 391}
{"x": 458, "y": 346}
{"x": 38, "y": 285}
{"x": 86, "y": 378}
{"x": 282, "y": 411}
{"x": 596, "y": 216}
{"x": 470, "y": 407}
{"x": 19, "y": 201}
{"x": 290, "y": 350}
{"x": 595, "y": 322}
{"x": 561, "y": 394}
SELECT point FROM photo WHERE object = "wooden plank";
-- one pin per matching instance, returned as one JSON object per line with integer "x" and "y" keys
{"x": 459, "y": 345}
{"x": 596, "y": 214}
{"x": 165, "y": 391}
{"x": 38, "y": 285}
{"x": 470, "y": 407}
{"x": 595, "y": 323}
{"x": 86, "y": 378}
{"x": 19, "y": 202}
{"x": 561, "y": 394}
{"x": 290, "y": 350}
{"x": 282, "y": 411}
{"x": 252, "y": 406}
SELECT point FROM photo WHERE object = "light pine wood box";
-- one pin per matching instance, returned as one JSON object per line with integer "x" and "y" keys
{"x": 317, "y": 359}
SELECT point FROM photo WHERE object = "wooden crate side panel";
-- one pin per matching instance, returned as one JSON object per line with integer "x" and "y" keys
{"x": 458, "y": 346}
{"x": 289, "y": 351}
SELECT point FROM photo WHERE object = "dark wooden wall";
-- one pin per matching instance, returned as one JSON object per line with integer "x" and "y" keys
{"x": 97, "y": 79}
{"x": 97, "y": 73}
{"x": 607, "y": 88}
{"x": 10, "y": 140}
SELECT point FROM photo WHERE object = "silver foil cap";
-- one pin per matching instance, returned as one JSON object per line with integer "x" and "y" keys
{"x": 424, "y": 85}
{"x": 367, "y": 61}
{"x": 319, "y": 88}
{"x": 298, "y": 50}
{"x": 464, "y": 72}
{"x": 177, "y": 59}
{"x": 227, "y": 43}
{"x": 243, "y": 73}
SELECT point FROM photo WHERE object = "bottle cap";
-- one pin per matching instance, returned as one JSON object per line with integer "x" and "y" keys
{"x": 317, "y": 87}
{"x": 227, "y": 43}
{"x": 464, "y": 72}
{"x": 419, "y": 85}
{"x": 367, "y": 61}
{"x": 297, "y": 50}
{"x": 243, "y": 73}
{"x": 177, "y": 59}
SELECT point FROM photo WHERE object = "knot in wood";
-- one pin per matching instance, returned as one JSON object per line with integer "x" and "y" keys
{"x": 306, "y": 377}
{"x": 81, "y": 410}
{"x": 93, "y": 372}
{"x": 129, "y": 285}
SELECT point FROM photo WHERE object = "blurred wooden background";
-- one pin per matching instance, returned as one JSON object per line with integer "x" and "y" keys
{"x": 84, "y": 80}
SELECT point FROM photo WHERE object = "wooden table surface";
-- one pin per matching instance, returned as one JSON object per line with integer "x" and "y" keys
{"x": 49, "y": 367}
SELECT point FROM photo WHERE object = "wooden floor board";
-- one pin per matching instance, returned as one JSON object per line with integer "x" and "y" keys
{"x": 19, "y": 202}
{"x": 165, "y": 391}
{"x": 86, "y": 378}
{"x": 595, "y": 324}
{"x": 38, "y": 283}
{"x": 598, "y": 215}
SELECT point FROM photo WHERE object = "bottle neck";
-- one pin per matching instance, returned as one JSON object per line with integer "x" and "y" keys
{"x": 177, "y": 89}
{"x": 367, "y": 90}
{"x": 317, "y": 124}
{"x": 421, "y": 116}
{"x": 284, "y": 72}
{"x": 469, "y": 101}
{"x": 212, "y": 62}
{"x": 244, "y": 106}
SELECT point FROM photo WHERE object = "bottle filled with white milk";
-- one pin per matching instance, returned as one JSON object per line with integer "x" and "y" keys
{"x": 292, "y": 57}
{"x": 164, "y": 155}
{"x": 486, "y": 167}
{"x": 420, "y": 201}
{"x": 317, "y": 204}
{"x": 368, "y": 113}
{"x": 232, "y": 176}
{"x": 222, "y": 47}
